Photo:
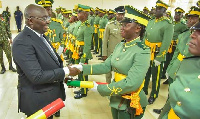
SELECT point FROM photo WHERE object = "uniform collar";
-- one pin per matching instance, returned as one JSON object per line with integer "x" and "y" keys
{"x": 132, "y": 42}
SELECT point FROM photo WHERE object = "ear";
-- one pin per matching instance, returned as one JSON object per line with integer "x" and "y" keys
{"x": 138, "y": 28}
{"x": 30, "y": 21}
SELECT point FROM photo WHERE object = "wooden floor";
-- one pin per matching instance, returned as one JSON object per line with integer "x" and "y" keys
{"x": 91, "y": 107}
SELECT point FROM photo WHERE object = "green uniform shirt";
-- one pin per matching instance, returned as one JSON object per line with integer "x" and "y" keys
{"x": 5, "y": 32}
{"x": 184, "y": 91}
{"x": 179, "y": 27}
{"x": 84, "y": 33}
{"x": 111, "y": 37}
{"x": 160, "y": 30}
{"x": 131, "y": 59}
{"x": 182, "y": 48}
{"x": 57, "y": 29}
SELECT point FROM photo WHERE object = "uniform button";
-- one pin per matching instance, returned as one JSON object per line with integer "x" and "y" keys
{"x": 117, "y": 59}
{"x": 124, "y": 50}
{"x": 179, "y": 103}
{"x": 187, "y": 89}
{"x": 199, "y": 77}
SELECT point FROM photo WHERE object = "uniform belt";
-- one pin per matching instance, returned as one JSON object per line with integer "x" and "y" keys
{"x": 153, "y": 47}
{"x": 79, "y": 43}
{"x": 101, "y": 33}
{"x": 172, "y": 114}
{"x": 119, "y": 77}
{"x": 95, "y": 28}
{"x": 180, "y": 57}
{"x": 134, "y": 96}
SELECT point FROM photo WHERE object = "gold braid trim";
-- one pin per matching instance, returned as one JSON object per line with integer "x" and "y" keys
{"x": 117, "y": 90}
{"x": 91, "y": 70}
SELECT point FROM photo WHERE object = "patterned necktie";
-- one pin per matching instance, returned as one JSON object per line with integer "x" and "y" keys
{"x": 49, "y": 47}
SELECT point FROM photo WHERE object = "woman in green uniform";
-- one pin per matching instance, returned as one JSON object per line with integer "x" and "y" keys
{"x": 183, "y": 102}
{"x": 130, "y": 62}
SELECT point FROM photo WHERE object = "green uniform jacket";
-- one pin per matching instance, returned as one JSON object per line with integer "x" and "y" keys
{"x": 5, "y": 32}
{"x": 131, "y": 59}
{"x": 160, "y": 31}
{"x": 76, "y": 27}
{"x": 96, "y": 20}
{"x": 102, "y": 22}
{"x": 66, "y": 22}
{"x": 179, "y": 27}
{"x": 111, "y": 37}
{"x": 91, "y": 22}
{"x": 184, "y": 91}
{"x": 182, "y": 47}
{"x": 57, "y": 28}
{"x": 59, "y": 16}
{"x": 71, "y": 28}
{"x": 84, "y": 33}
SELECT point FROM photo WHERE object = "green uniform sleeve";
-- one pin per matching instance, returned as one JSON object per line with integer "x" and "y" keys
{"x": 167, "y": 37}
{"x": 175, "y": 55}
{"x": 134, "y": 79}
{"x": 96, "y": 69}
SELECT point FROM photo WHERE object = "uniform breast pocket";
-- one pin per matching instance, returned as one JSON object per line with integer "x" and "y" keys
{"x": 114, "y": 31}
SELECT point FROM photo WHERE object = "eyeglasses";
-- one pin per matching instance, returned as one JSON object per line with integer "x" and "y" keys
{"x": 44, "y": 19}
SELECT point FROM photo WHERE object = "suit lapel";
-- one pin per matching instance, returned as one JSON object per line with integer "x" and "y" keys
{"x": 39, "y": 41}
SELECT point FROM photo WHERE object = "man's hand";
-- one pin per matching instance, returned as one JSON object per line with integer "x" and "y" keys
{"x": 73, "y": 71}
{"x": 104, "y": 58}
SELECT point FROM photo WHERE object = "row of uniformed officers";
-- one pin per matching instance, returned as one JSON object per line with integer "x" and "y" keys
{"x": 147, "y": 43}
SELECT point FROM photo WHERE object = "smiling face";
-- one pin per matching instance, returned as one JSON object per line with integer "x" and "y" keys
{"x": 130, "y": 30}
{"x": 36, "y": 21}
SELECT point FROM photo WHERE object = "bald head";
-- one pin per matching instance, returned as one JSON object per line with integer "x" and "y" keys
{"x": 33, "y": 10}
{"x": 37, "y": 18}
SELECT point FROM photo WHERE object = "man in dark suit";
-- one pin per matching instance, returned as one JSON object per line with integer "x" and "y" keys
{"x": 40, "y": 69}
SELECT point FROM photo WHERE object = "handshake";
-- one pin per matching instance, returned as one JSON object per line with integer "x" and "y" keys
{"x": 75, "y": 69}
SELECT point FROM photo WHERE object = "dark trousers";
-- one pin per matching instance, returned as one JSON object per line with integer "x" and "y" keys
{"x": 19, "y": 24}
{"x": 124, "y": 114}
{"x": 156, "y": 72}
{"x": 168, "y": 59}
{"x": 96, "y": 39}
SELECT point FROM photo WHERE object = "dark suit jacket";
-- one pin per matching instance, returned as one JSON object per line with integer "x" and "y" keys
{"x": 40, "y": 79}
